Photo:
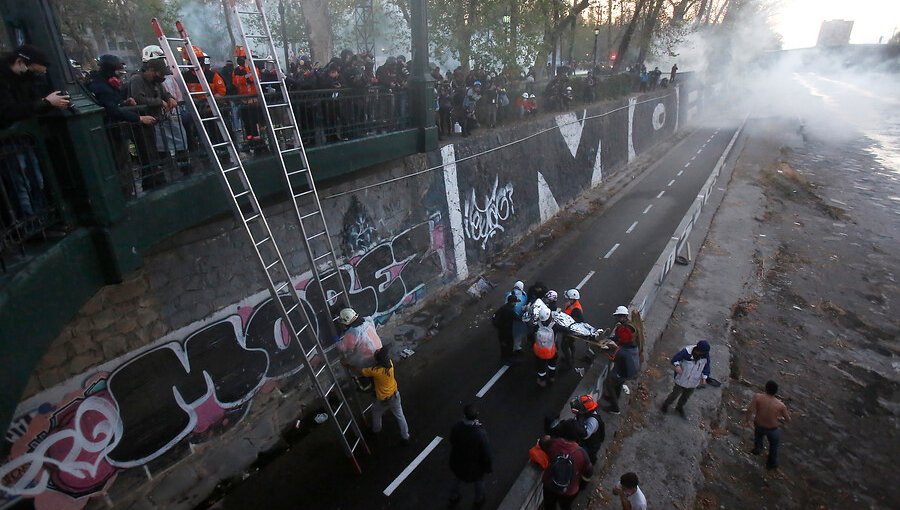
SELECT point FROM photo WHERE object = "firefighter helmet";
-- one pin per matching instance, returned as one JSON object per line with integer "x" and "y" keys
{"x": 151, "y": 52}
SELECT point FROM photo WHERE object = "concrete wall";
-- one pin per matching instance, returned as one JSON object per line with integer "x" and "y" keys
{"x": 177, "y": 378}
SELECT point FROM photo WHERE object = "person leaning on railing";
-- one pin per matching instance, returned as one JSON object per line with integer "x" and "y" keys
{"x": 21, "y": 82}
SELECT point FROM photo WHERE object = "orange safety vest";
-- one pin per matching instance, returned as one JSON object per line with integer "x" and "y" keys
{"x": 244, "y": 83}
{"x": 545, "y": 343}
{"x": 216, "y": 84}
{"x": 576, "y": 304}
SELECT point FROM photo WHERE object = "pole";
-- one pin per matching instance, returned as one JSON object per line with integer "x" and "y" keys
{"x": 596, "y": 35}
{"x": 421, "y": 84}
{"x": 284, "y": 36}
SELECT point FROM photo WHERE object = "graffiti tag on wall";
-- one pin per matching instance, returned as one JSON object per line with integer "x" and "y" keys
{"x": 193, "y": 389}
{"x": 481, "y": 223}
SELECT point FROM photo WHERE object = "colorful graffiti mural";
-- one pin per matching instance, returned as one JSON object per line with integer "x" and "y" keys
{"x": 63, "y": 452}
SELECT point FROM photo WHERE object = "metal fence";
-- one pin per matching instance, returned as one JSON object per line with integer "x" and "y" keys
{"x": 152, "y": 156}
{"x": 28, "y": 209}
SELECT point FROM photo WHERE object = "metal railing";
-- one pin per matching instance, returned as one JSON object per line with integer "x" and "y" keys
{"x": 29, "y": 208}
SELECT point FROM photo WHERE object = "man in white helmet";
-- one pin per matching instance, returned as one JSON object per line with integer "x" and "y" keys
{"x": 573, "y": 309}
{"x": 360, "y": 341}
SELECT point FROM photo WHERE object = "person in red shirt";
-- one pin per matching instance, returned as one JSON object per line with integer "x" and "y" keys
{"x": 568, "y": 470}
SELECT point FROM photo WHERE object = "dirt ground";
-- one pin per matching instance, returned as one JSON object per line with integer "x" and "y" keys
{"x": 795, "y": 282}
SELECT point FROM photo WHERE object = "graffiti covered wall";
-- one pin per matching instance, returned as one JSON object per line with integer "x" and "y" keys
{"x": 161, "y": 375}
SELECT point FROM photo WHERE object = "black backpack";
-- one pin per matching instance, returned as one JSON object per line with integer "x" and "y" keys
{"x": 560, "y": 473}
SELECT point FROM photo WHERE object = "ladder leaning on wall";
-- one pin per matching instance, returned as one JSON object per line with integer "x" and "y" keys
{"x": 285, "y": 138}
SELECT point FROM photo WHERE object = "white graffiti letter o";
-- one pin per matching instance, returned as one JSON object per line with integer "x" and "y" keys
{"x": 659, "y": 116}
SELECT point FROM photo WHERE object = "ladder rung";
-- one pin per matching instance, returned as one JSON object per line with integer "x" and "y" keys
{"x": 197, "y": 93}
{"x": 242, "y": 193}
{"x": 232, "y": 169}
{"x": 277, "y": 105}
{"x": 329, "y": 390}
{"x": 254, "y": 36}
{"x": 320, "y": 257}
{"x": 329, "y": 275}
{"x": 322, "y": 369}
{"x": 176, "y": 39}
{"x": 291, "y": 309}
{"x": 355, "y": 444}
{"x": 276, "y": 82}
{"x": 320, "y": 234}
{"x": 220, "y": 144}
{"x": 298, "y": 333}
{"x": 251, "y": 218}
{"x": 282, "y": 287}
{"x": 291, "y": 150}
{"x": 345, "y": 429}
{"x": 295, "y": 172}
{"x": 270, "y": 266}
{"x": 311, "y": 352}
{"x": 338, "y": 408}
{"x": 280, "y": 128}
{"x": 298, "y": 195}
{"x": 310, "y": 215}
{"x": 264, "y": 240}
{"x": 205, "y": 119}
{"x": 255, "y": 13}
{"x": 186, "y": 66}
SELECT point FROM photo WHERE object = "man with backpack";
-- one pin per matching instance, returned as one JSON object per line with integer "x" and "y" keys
{"x": 592, "y": 431}
{"x": 569, "y": 468}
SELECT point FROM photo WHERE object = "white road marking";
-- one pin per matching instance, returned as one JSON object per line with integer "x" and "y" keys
{"x": 631, "y": 228}
{"x": 584, "y": 280}
{"x": 699, "y": 151}
{"x": 693, "y": 157}
{"x": 670, "y": 183}
{"x": 484, "y": 389}
{"x": 611, "y": 250}
{"x": 687, "y": 164}
{"x": 647, "y": 209}
{"x": 661, "y": 193}
{"x": 679, "y": 173}
{"x": 409, "y": 469}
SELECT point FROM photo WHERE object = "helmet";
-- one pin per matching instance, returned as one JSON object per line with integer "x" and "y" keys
{"x": 110, "y": 63}
{"x": 532, "y": 96}
{"x": 347, "y": 316}
{"x": 519, "y": 285}
{"x": 621, "y": 310}
{"x": 239, "y": 51}
{"x": 543, "y": 314}
{"x": 151, "y": 52}
{"x": 551, "y": 295}
{"x": 476, "y": 84}
{"x": 573, "y": 294}
{"x": 583, "y": 404}
{"x": 524, "y": 95}
{"x": 197, "y": 51}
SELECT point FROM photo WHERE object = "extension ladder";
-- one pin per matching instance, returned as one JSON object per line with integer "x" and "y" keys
{"x": 294, "y": 314}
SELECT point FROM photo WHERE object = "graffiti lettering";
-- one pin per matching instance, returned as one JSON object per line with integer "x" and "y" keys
{"x": 481, "y": 224}
{"x": 179, "y": 390}
{"x": 659, "y": 116}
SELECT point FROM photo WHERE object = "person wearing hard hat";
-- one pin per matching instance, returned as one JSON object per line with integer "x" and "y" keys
{"x": 691, "y": 366}
{"x": 216, "y": 83}
{"x": 545, "y": 348}
{"x": 360, "y": 341}
{"x": 587, "y": 415}
{"x": 572, "y": 309}
{"x": 623, "y": 333}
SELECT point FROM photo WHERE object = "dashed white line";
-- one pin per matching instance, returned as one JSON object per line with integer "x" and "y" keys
{"x": 688, "y": 163}
{"x": 611, "y": 250}
{"x": 679, "y": 173}
{"x": 631, "y": 227}
{"x": 584, "y": 280}
{"x": 661, "y": 193}
{"x": 699, "y": 151}
{"x": 670, "y": 183}
{"x": 647, "y": 209}
{"x": 484, "y": 389}
{"x": 409, "y": 469}
{"x": 694, "y": 157}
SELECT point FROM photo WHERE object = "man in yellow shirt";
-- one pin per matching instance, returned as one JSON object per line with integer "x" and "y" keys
{"x": 386, "y": 392}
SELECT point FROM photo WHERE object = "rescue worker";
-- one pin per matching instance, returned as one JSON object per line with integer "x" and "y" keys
{"x": 550, "y": 299}
{"x": 572, "y": 309}
{"x": 216, "y": 83}
{"x": 243, "y": 81}
{"x": 545, "y": 348}
{"x": 359, "y": 343}
{"x": 623, "y": 332}
{"x": 588, "y": 416}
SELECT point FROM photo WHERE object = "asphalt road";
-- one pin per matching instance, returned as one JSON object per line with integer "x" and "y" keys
{"x": 616, "y": 248}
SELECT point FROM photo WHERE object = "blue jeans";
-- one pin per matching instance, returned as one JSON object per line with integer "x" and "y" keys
{"x": 25, "y": 183}
{"x": 774, "y": 436}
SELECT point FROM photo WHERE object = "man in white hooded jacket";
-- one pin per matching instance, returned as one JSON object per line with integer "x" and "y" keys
{"x": 692, "y": 366}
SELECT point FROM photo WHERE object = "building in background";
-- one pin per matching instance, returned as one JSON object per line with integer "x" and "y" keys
{"x": 834, "y": 32}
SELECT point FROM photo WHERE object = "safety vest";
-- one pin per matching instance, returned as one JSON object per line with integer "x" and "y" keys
{"x": 576, "y": 304}
{"x": 545, "y": 343}
{"x": 216, "y": 84}
{"x": 244, "y": 82}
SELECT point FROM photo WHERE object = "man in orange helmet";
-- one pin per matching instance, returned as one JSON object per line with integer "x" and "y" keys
{"x": 587, "y": 415}
{"x": 243, "y": 80}
{"x": 216, "y": 83}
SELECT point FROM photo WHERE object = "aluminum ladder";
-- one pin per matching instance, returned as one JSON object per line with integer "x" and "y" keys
{"x": 294, "y": 314}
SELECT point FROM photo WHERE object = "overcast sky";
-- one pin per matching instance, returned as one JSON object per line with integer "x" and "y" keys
{"x": 798, "y": 21}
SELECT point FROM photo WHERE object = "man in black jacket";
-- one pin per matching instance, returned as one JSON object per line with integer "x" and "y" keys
{"x": 470, "y": 455}
{"x": 19, "y": 95}
{"x": 503, "y": 319}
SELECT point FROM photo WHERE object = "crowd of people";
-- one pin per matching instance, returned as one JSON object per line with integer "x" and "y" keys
{"x": 568, "y": 451}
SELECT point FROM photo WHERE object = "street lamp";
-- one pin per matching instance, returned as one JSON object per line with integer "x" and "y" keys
{"x": 596, "y": 35}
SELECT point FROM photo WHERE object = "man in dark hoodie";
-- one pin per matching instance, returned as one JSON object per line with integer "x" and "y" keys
{"x": 470, "y": 455}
